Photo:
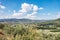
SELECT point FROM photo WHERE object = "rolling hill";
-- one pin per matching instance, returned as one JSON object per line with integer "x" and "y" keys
{"x": 21, "y": 20}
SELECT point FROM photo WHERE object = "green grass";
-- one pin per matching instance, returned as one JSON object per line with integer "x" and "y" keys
{"x": 28, "y": 32}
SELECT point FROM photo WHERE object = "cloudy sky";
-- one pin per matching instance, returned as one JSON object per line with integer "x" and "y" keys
{"x": 31, "y": 9}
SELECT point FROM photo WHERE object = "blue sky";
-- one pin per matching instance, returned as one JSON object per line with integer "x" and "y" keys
{"x": 31, "y": 9}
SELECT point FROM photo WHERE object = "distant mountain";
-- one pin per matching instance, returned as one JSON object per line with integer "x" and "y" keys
{"x": 55, "y": 21}
{"x": 30, "y": 21}
{"x": 21, "y": 20}
{"x": 58, "y": 19}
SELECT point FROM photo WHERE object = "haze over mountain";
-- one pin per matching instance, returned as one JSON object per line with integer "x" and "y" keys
{"x": 27, "y": 20}
{"x": 21, "y": 20}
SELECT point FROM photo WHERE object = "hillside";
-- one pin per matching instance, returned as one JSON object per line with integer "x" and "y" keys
{"x": 53, "y": 21}
{"x": 21, "y": 20}
{"x": 39, "y": 31}
{"x": 52, "y": 24}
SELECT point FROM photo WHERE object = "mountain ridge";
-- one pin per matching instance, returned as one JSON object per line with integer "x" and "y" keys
{"x": 20, "y": 20}
{"x": 26, "y": 20}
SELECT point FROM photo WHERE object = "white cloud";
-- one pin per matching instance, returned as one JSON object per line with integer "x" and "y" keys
{"x": 26, "y": 7}
{"x": 2, "y": 7}
{"x": 41, "y": 8}
{"x": 3, "y": 17}
{"x": 14, "y": 11}
{"x": 17, "y": 14}
{"x": 27, "y": 11}
{"x": 32, "y": 16}
{"x": 35, "y": 8}
{"x": 58, "y": 15}
{"x": 46, "y": 14}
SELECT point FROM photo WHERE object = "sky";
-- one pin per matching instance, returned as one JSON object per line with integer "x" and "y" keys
{"x": 30, "y": 9}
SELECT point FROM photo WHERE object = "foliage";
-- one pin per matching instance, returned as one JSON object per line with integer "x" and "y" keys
{"x": 29, "y": 32}
{"x": 2, "y": 26}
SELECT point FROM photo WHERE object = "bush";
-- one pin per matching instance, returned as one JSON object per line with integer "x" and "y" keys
{"x": 2, "y": 26}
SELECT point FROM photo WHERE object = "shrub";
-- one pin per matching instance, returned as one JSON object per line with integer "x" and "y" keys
{"x": 2, "y": 26}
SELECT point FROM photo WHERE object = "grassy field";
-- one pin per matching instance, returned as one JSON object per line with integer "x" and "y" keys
{"x": 29, "y": 31}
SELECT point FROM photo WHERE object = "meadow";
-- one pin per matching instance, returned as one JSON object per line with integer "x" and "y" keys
{"x": 29, "y": 31}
